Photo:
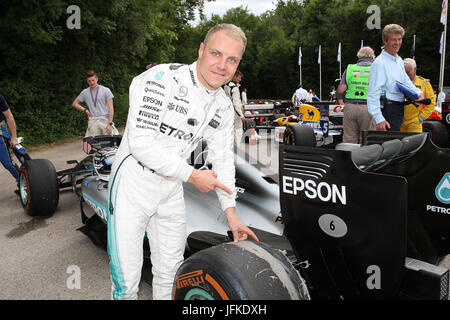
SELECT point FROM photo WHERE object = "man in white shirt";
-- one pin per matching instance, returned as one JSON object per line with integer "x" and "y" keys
{"x": 388, "y": 68}
{"x": 300, "y": 96}
{"x": 233, "y": 92}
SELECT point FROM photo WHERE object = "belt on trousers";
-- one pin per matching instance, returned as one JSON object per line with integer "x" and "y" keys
{"x": 151, "y": 170}
{"x": 144, "y": 167}
{"x": 394, "y": 102}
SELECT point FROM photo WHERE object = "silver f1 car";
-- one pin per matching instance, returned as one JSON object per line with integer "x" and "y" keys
{"x": 258, "y": 204}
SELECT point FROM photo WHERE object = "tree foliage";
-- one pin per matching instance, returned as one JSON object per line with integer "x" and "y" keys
{"x": 270, "y": 63}
{"x": 43, "y": 62}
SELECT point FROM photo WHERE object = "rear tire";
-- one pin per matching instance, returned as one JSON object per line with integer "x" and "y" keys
{"x": 38, "y": 187}
{"x": 244, "y": 270}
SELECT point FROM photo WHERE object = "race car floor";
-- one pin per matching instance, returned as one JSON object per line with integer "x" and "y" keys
{"x": 49, "y": 258}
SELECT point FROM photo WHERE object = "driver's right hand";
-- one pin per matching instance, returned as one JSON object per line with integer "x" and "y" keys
{"x": 206, "y": 181}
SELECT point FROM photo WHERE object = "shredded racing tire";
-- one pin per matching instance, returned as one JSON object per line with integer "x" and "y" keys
{"x": 245, "y": 270}
{"x": 299, "y": 135}
{"x": 439, "y": 133}
{"x": 38, "y": 187}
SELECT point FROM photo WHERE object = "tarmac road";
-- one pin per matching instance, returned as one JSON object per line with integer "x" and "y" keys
{"x": 41, "y": 257}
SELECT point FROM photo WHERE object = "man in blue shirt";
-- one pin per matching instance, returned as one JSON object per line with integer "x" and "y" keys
{"x": 6, "y": 118}
{"x": 387, "y": 68}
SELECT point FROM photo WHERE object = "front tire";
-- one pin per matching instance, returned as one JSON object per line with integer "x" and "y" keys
{"x": 245, "y": 270}
{"x": 38, "y": 187}
{"x": 299, "y": 135}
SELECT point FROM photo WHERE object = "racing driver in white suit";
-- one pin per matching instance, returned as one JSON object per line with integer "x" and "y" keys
{"x": 172, "y": 107}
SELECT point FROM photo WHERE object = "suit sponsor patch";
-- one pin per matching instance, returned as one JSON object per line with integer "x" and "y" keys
{"x": 214, "y": 123}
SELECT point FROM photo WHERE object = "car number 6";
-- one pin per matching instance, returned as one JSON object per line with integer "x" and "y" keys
{"x": 333, "y": 225}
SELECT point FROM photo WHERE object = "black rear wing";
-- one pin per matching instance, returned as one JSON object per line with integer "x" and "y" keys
{"x": 355, "y": 213}
{"x": 427, "y": 171}
{"x": 349, "y": 225}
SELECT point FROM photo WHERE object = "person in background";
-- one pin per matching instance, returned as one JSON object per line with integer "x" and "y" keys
{"x": 354, "y": 85}
{"x": 300, "y": 96}
{"x": 7, "y": 138}
{"x": 100, "y": 111}
{"x": 388, "y": 68}
{"x": 233, "y": 92}
{"x": 414, "y": 116}
{"x": 314, "y": 98}
{"x": 332, "y": 94}
{"x": 310, "y": 96}
{"x": 244, "y": 96}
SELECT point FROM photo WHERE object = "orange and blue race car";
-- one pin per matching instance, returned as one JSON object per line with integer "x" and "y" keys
{"x": 318, "y": 120}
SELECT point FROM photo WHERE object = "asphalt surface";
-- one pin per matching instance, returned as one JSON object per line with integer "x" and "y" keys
{"x": 42, "y": 257}
{"x": 49, "y": 258}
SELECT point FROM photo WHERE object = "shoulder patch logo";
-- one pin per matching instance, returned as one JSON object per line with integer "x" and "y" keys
{"x": 159, "y": 75}
{"x": 175, "y": 66}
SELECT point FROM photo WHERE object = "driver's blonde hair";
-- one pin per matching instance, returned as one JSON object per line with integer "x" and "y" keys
{"x": 230, "y": 30}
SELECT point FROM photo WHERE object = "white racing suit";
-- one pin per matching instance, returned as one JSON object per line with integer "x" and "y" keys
{"x": 170, "y": 112}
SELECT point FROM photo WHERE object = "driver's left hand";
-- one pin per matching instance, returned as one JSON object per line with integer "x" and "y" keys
{"x": 238, "y": 228}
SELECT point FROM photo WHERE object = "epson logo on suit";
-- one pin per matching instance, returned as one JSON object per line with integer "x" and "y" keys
{"x": 323, "y": 191}
{"x": 152, "y": 100}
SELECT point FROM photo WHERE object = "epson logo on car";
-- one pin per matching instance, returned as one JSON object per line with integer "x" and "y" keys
{"x": 312, "y": 190}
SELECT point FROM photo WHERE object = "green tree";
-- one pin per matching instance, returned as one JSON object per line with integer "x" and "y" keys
{"x": 44, "y": 63}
